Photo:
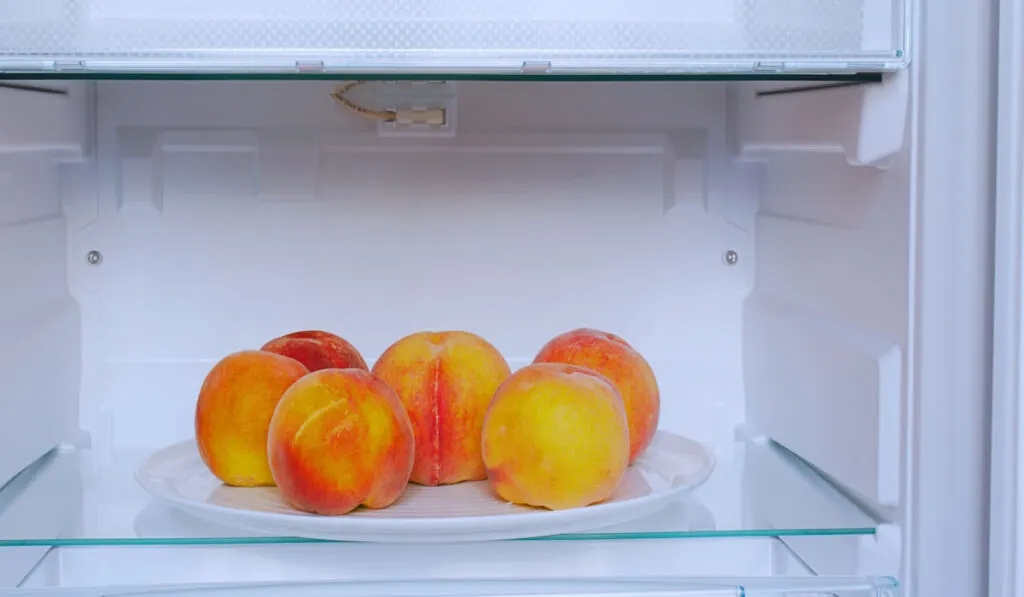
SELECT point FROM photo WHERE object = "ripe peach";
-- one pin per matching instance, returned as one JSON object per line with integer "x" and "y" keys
{"x": 556, "y": 436}
{"x": 317, "y": 350}
{"x": 233, "y": 413}
{"x": 340, "y": 438}
{"x": 445, "y": 380}
{"x": 614, "y": 358}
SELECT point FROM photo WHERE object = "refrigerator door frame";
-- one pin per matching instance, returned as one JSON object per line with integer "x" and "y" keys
{"x": 1006, "y": 531}
{"x": 945, "y": 510}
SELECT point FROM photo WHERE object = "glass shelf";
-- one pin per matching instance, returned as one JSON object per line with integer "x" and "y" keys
{"x": 756, "y": 490}
{"x": 452, "y": 36}
{"x": 742, "y": 567}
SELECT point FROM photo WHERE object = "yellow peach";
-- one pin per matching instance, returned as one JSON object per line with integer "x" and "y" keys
{"x": 446, "y": 381}
{"x": 318, "y": 350}
{"x": 556, "y": 436}
{"x": 236, "y": 403}
{"x": 340, "y": 438}
{"x": 614, "y": 358}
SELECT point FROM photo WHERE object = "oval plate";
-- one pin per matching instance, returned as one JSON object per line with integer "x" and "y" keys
{"x": 672, "y": 467}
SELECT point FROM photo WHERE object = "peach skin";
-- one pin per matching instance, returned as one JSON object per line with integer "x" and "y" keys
{"x": 340, "y": 439}
{"x": 236, "y": 402}
{"x": 446, "y": 381}
{"x": 318, "y": 350}
{"x": 556, "y": 436}
{"x": 614, "y": 358}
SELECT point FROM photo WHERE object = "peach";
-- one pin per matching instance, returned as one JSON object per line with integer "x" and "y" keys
{"x": 340, "y": 438}
{"x": 614, "y": 358}
{"x": 317, "y": 350}
{"x": 446, "y": 381}
{"x": 556, "y": 436}
{"x": 236, "y": 402}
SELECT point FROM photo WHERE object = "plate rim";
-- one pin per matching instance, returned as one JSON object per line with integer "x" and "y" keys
{"x": 442, "y": 525}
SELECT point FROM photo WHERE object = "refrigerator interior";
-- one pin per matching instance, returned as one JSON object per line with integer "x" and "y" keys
{"x": 806, "y": 272}
{"x": 734, "y": 239}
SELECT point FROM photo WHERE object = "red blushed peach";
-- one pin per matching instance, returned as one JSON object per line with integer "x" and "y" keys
{"x": 236, "y": 403}
{"x": 446, "y": 381}
{"x": 340, "y": 438}
{"x": 556, "y": 436}
{"x": 614, "y": 358}
{"x": 318, "y": 350}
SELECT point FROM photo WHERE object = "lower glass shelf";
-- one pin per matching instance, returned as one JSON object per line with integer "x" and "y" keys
{"x": 78, "y": 498}
{"x": 643, "y": 568}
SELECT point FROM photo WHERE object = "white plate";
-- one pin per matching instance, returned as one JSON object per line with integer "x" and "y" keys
{"x": 671, "y": 467}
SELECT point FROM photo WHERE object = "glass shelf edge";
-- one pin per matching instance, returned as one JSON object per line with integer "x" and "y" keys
{"x": 183, "y": 541}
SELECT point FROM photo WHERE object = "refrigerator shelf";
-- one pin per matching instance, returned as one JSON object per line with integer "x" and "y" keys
{"x": 736, "y": 566}
{"x": 526, "y": 37}
{"x": 757, "y": 489}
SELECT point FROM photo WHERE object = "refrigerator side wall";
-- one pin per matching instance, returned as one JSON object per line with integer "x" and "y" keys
{"x": 39, "y": 321}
